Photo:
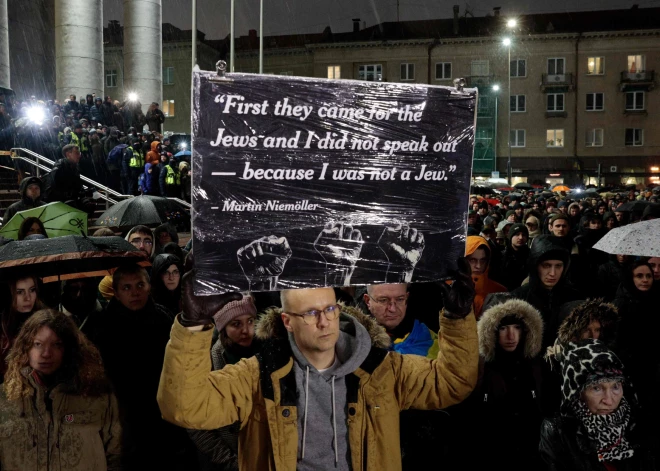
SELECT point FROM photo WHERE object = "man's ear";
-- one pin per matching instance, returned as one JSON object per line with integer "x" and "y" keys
{"x": 286, "y": 319}
{"x": 366, "y": 299}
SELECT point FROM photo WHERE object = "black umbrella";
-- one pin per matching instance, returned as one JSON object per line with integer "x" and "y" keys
{"x": 145, "y": 210}
{"x": 67, "y": 257}
{"x": 633, "y": 206}
{"x": 523, "y": 186}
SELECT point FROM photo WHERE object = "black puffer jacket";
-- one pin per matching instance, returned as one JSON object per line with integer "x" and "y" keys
{"x": 25, "y": 203}
{"x": 588, "y": 260}
{"x": 63, "y": 183}
{"x": 609, "y": 278}
{"x": 514, "y": 262}
{"x": 547, "y": 301}
{"x": 565, "y": 447}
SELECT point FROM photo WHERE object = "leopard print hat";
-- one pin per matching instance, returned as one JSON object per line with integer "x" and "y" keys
{"x": 587, "y": 362}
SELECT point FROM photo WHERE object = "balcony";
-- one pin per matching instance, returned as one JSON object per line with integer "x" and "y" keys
{"x": 479, "y": 81}
{"x": 556, "y": 114}
{"x": 557, "y": 83}
{"x": 642, "y": 80}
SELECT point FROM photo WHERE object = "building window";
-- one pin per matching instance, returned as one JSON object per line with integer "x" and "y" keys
{"x": 555, "y": 102}
{"x": 636, "y": 64}
{"x": 334, "y": 71}
{"x": 443, "y": 70}
{"x": 518, "y": 68}
{"x": 595, "y": 65}
{"x": 555, "y": 138}
{"x": 479, "y": 68}
{"x": 595, "y": 101}
{"x": 168, "y": 108}
{"x": 483, "y": 106}
{"x": 168, "y": 75}
{"x": 556, "y": 66}
{"x": 517, "y": 138}
{"x": 407, "y": 71}
{"x": 370, "y": 73}
{"x": 111, "y": 78}
{"x": 517, "y": 103}
{"x": 634, "y": 137}
{"x": 594, "y": 138}
{"x": 635, "y": 101}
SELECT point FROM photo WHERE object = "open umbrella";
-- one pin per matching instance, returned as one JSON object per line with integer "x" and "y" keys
{"x": 506, "y": 188}
{"x": 182, "y": 153}
{"x": 639, "y": 239}
{"x": 67, "y": 257}
{"x": 633, "y": 206}
{"x": 523, "y": 186}
{"x": 59, "y": 220}
{"x": 480, "y": 190}
{"x": 561, "y": 188}
{"x": 145, "y": 210}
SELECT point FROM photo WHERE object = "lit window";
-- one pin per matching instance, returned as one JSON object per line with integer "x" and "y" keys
{"x": 443, "y": 70}
{"x": 168, "y": 76}
{"x": 634, "y": 137}
{"x": 594, "y": 138}
{"x": 595, "y": 65}
{"x": 168, "y": 108}
{"x": 407, "y": 71}
{"x": 555, "y": 138}
{"x": 595, "y": 101}
{"x": 370, "y": 73}
{"x": 111, "y": 78}
{"x": 334, "y": 71}
{"x": 636, "y": 64}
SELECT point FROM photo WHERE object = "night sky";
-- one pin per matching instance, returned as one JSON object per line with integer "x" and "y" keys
{"x": 311, "y": 16}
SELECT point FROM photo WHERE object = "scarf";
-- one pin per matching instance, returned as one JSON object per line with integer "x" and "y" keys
{"x": 607, "y": 431}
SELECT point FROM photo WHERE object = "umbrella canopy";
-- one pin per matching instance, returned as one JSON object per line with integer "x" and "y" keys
{"x": 145, "y": 210}
{"x": 639, "y": 239}
{"x": 59, "y": 220}
{"x": 631, "y": 206}
{"x": 561, "y": 188}
{"x": 590, "y": 193}
{"x": 506, "y": 188}
{"x": 523, "y": 186}
{"x": 182, "y": 153}
{"x": 67, "y": 257}
{"x": 480, "y": 190}
{"x": 608, "y": 194}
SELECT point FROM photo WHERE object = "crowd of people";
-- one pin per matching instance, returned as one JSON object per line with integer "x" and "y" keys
{"x": 120, "y": 146}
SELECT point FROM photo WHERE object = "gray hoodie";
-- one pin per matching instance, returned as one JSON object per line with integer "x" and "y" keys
{"x": 321, "y": 402}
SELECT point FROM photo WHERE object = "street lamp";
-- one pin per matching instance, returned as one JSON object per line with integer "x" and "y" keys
{"x": 496, "y": 88}
{"x": 510, "y": 24}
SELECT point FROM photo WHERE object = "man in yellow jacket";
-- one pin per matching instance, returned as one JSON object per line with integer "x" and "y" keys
{"x": 319, "y": 395}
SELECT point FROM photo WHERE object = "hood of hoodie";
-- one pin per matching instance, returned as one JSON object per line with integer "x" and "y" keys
{"x": 166, "y": 228}
{"x": 547, "y": 247}
{"x": 473, "y": 243}
{"x": 153, "y": 246}
{"x": 22, "y": 188}
{"x": 163, "y": 261}
{"x": 491, "y": 318}
{"x": 154, "y": 146}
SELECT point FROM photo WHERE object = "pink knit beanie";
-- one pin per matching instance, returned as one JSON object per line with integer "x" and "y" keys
{"x": 233, "y": 310}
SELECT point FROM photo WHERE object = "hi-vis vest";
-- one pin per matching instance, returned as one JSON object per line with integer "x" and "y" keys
{"x": 137, "y": 159}
{"x": 79, "y": 141}
{"x": 172, "y": 177}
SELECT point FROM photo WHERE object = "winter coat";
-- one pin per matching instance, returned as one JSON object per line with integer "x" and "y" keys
{"x": 108, "y": 110}
{"x": 261, "y": 392}
{"x": 547, "y": 301}
{"x": 509, "y": 394}
{"x": 609, "y": 278}
{"x": 64, "y": 431}
{"x": 588, "y": 261}
{"x": 153, "y": 156}
{"x": 155, "y": 119}
{"x": 149, "y": 182}
{"x": 514, "y": 262}
{"x": 482, "y": 283}
{"x": 24, "y": 203}
{"x": 565, "y": 446}
{"x": 96, "y": 114}
{"x": 170, "y": 300}
{"x": 162, "y": 173}
{"x": 63, "y": 183}
{"x": 132, "y": 345}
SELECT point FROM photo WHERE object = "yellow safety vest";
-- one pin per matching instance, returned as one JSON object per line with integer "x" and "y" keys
{"x": 80, "y": 142}
{"x": 137, "y": 159}
{"x": 172, "y": 177}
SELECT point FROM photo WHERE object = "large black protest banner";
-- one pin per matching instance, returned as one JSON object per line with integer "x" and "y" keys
{"x": 303, "y": 182}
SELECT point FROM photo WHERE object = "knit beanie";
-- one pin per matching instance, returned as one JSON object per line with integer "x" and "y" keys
{"x": 232, "y": 310}
{"x": 518, "y": 228}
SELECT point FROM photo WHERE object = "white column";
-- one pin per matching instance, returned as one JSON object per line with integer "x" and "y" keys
{"x": 143, "y": 51}
{"x": 78, "y": 48}
{"x": 4, "y": 45}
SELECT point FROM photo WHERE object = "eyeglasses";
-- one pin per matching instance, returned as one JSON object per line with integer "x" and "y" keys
{"x": 139, "y": 241}
{"x": 397, "y": 302}
{"x": 311, "y": 317}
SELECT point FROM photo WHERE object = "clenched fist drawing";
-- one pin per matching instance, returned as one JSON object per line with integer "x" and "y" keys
{"x": 340, "y": 245}
{"x": 263, "y": 260}
{"x": 403, "y": 247}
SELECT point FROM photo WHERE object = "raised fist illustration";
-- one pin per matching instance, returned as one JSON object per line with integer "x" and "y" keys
{"x": 263, "y": 260}
{"x": 403, "y": 247}
{"x": 340, "y": 245}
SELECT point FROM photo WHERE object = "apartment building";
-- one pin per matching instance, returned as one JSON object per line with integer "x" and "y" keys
{"x": 582, "y": 101}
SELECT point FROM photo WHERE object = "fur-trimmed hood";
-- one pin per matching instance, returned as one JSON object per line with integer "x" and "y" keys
{"x": 583, "y": 313}
{"x": 270, "y": 325}
{"x": 491, "y": 318}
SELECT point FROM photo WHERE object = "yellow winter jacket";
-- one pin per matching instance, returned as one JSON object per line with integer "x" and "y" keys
{"x": 259, "y": 393}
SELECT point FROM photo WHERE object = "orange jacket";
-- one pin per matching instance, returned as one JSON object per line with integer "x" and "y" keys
{"x": 153, "y": 157}
{"x": 482, "y": 284}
